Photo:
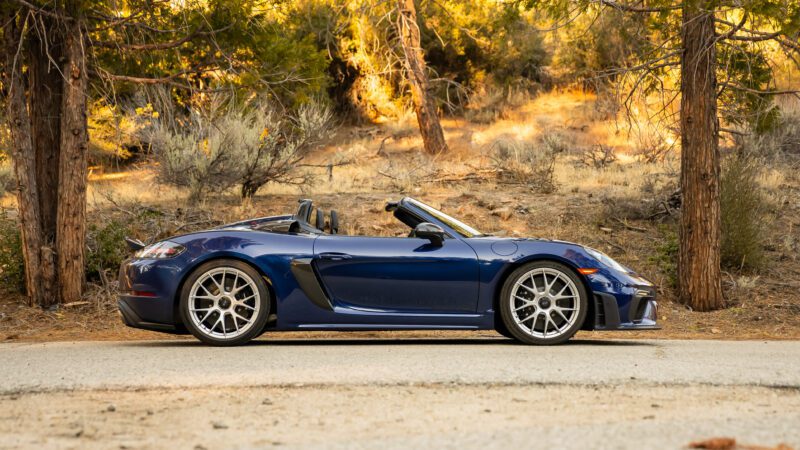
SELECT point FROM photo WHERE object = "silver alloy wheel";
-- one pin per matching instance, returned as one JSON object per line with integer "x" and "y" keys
{"x": 544, "y": 303}
{"x": 224, "y": 303}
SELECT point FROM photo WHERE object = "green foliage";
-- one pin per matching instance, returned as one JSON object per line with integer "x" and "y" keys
{"x": 749, "y": 70}
{"x": 595, "y": 46}
{"x": 240, "y": 44}
{"x": 6, "y": 175}
{"x": 474, "y": 43}
{"x": 12, "y": 269}
{"x": 742, "y": 209}
{"x": 106, "y": 248}
{"x": 665, "y": 256}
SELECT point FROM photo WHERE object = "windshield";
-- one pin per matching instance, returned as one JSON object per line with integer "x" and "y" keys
{"x": 460, "y": 227}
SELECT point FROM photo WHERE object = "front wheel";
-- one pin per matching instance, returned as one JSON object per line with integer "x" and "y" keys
{"x": 225, "y": 303}
{"x": 543, "y": 303}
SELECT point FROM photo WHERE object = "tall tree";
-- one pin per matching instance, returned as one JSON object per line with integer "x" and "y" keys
{"x": 424, "y": 103}
{"x": 688, "y": 35}
{"x": 54, "y": 54}
{"x": 699, "y": 254}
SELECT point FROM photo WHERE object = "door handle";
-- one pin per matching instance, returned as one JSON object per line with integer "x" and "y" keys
{"x": 334, "y": 256}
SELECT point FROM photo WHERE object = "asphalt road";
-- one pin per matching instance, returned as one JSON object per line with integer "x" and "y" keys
{"x": 397, "y": 394}
{"x": 146, "y": 364}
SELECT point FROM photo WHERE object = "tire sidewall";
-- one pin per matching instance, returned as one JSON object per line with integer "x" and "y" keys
{"x": 263, "y": 295}
{"x": 505, "y": 306}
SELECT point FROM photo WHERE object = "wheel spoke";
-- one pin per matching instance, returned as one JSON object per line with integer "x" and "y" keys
{"x": 562, "y": 315}
{"x": 549, "y": 286}
{"x": 526, "y": 305}
{"x": 532, "y": 314}
{"x": 532, "y": 291}
{"x": 203, "y": 303}
{"x": 219, "y": 286}
{"x": 235, "y": 282}
{"x": 546, "y": 323}
{"x": 206, "y": 289}
{"x": 533, "y": 282}
{"x": 207, "y": 315}
{"x": 558, "y": 294}
{"x": 533, "y": 323}
{"x": 245, "y": 305}
{"x": 237, "y": 315}
{"x": 246, "y": 298}
{"x": 234, "y": 316}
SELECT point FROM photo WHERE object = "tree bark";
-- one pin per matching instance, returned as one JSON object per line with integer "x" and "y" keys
{"x": 424, "y": 105}
{"x": 45, "y": 56}
{"x": 699, "y": 276}
{"x": 45, "y": 88}
{"x": 71, "y": 215}
{"x": 23, "y": 156}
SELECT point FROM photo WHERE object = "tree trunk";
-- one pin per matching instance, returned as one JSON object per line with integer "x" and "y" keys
{"x": 699, "y": 255}
{"x": 23, "y": 157}
{"x": 424, "y": 105}
{"x": 45, "y": 88}
{"x": 71, "y": 215}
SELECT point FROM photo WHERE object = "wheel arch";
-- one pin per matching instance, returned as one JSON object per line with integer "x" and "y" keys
{"x": 273, "y": 303}
{"x": 510, "y": 268}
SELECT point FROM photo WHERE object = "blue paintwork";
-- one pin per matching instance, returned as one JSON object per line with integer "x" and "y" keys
{"x": 381, "y": 283}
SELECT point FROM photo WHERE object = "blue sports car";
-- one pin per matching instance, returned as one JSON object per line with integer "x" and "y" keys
{"x": 228, "y": 285}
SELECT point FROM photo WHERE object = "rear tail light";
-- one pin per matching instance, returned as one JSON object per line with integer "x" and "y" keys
{"x": 160, "y": 250}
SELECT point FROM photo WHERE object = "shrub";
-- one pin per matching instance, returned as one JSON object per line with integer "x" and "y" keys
{"x": 106, "y": 248}
{"x": 6, "y": 176}
{"x": 221, "y": 147}
{"x": 526, "y": 163}
{"x": 599, "y": 156}
{"x": 12, "y": 266}
{"x": 666, "y": 254}
{"x": 741, "y": 204}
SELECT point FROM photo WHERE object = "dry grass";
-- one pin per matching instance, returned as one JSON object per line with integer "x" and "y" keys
{"x": 604, "y": 207}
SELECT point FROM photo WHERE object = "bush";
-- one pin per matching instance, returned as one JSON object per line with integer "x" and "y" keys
{"x": 106, "y": 248}
{"x": 6, "y": 176}
{"x": 741, "y": 204}
{"x": 221, "y": 147}
{"x": 12, "y": 265}
{"x": 526, "y": 163}
{"x": 599, "y": 156}
{"x": 666, "y": 254}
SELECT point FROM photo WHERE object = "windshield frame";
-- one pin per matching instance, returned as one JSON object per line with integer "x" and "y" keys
{"x": 451, "y": 222}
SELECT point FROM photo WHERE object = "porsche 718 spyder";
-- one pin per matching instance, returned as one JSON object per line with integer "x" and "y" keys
{"x": 228, "y": 285}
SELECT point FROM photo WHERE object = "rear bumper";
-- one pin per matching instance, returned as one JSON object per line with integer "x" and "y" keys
{"x": 132, "y": 318}
{"x": 640, "y": 312}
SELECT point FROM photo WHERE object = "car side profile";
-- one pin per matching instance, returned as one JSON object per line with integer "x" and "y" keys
{"x": 228, "y": 285}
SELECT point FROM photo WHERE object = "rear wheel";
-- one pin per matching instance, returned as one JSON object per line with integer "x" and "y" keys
{"x": 543, "y": 303}
{"x": 224, "y": 303}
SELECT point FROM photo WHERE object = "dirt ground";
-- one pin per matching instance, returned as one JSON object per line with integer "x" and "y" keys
{"x": 18, "y": 323}
{"x": 428, "y": 416}
{"x": 616, "y": 208}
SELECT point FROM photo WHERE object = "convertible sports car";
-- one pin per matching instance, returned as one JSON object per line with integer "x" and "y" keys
{"x": 228, "y": 285}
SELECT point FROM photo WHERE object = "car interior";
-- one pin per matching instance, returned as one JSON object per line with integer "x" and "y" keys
{"x": 312, "y": 220}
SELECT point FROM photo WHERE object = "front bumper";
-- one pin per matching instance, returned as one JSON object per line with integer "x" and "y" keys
{"x": 639, "y": 312}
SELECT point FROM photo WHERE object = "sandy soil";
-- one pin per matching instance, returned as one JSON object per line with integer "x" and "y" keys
{"x": 446, "y": 416}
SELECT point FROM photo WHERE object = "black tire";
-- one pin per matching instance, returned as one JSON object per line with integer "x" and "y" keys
{"x": 507, "y": 316}
{"x": 261, "y": 315}
{"x": 502, "y": 330}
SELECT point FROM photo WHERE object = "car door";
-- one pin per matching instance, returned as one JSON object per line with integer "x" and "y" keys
{"x": 398, "y": 274}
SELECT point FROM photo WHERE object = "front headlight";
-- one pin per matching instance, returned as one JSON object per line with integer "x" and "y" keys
{"x": 160, "y": 250}
{"x": 606, "y": 260}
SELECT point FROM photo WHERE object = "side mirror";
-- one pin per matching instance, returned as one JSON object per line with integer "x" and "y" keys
{"x": 431, "y": 232}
